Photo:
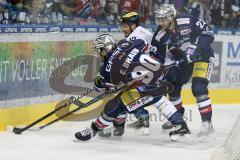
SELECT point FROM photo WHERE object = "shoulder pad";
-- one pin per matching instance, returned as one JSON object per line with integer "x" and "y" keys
{"x": 125, "y": 45}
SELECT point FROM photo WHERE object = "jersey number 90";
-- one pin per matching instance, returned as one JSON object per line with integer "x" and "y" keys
{"x": 149, "y": 66}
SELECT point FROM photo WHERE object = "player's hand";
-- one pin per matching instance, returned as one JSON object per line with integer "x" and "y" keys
{"x": 191, "y": 58}
{"x": 110, "y": 88}
{"x": 152, "y": 51}
{"x": 99, "y": 84}
{"x": 192, "y": 54}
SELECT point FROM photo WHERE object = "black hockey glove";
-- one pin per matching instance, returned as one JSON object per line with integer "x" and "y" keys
{"x": 191, "y": 58}
{"x": 100, "y": 85}
{"x": 110, "y": 88}
{"x": 193, "y": 54}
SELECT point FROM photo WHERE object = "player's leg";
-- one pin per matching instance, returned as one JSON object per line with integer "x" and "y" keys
{"x": 201, "y": 78}
{"x": 166, "y": 107}
{"x": 135, "y": 103}
{"x": 176, "y": 99}
{"x": 183, "y": 74}
{"x": 173, "y": 116}
{"x": 118, "y": 127}
{"x": 142, "y": 116}
{"x": 110, "y": 115}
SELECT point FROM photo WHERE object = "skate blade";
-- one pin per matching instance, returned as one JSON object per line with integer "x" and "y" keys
{"x": 106, "y": 133}
{"x": 132, "y": 126}
{"x": 205, "y": 134}
{"x": 143, "y": 131}
{"x": 179, "y": 138}
{"x": 79, "y": 141}
{"x": 206, "y": 138}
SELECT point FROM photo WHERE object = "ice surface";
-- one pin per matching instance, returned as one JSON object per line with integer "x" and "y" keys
{"x": 57, "y": 142}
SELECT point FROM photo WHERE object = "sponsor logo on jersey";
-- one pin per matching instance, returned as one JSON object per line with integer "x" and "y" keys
{"x": 125, "y": 45}
{"x": 181, "y": 21}
{"x": 185, "y": 31}
{"x": 129, "y": 60}
{"x": 139, "y": 103}
{"x": 160, "y": 34}
{"x": 110, "y": 61}
{"x": 121, "y": 55}
{"x": 210, "y": 68}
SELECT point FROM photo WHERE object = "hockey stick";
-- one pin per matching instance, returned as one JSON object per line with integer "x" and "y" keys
{"x": 71, "y": 100}
{"x": 176, "y": 63}
{"x": 99, "y": 97}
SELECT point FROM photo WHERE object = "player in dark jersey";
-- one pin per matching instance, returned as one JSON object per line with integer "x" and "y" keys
{"x": 127, "y": 64}
{"x": 186, "y": 37}
{"x": 130, "y": 26}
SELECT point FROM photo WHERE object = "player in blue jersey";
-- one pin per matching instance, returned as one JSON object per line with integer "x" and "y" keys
{"x": 127, "y": 64}
{"x": 130, "y": 26}
{"x": 189, "y": 38}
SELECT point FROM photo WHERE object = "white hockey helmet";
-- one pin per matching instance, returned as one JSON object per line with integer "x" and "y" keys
{"x": 104, "y": 44}
{"x": 165, "y": 11}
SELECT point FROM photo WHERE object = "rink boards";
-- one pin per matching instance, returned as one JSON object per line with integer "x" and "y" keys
{"x": 27, "y": 114}
{"x": 28, "y": 87}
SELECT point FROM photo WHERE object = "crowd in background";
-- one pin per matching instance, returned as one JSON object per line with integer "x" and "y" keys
{"x": 218, "y": 13}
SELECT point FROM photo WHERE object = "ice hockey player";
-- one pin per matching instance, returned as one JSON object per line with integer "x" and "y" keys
{"x": 126, "y": 63}
{"x": 189, "y": 38}
{"x": 132, "y": 30}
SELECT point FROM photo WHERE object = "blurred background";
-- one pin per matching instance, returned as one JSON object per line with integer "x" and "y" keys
{"x": 218, "y": 13}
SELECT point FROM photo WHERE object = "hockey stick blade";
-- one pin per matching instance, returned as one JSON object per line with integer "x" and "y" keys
{"x": 17, "y": 130}
{"x": 71, "y": 100}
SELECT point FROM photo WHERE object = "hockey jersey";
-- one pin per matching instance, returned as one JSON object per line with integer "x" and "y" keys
{"x": 141, "y": 33}
{"x": 188, "y": 31}
{"x": 129, "y": 64}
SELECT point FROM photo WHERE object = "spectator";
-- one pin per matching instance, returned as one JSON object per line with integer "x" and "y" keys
{"x": 200, "y": 9}
{"x": 129, "y": 5}
{"x": 216, "y": 13}
{"x": 82, "y": 8}
{"x": 226, "y": 13}
{"x": 180, "y": 5}
{"x": 8, "y": 12}
{"x": 97, "y": 8}
{"x": 235, "y": 6}
{"x": 37, "y": 10}
{"x": 111, "y": 12}
{"x": 144, "y": 11}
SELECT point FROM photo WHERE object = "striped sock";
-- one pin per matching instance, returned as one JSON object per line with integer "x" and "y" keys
{"x": 177, "y": 102}
{"x": 205, "y": 109}
{"x": 101, "y": 122}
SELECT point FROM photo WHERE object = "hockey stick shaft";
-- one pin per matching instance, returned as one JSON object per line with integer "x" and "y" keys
{"x": 20, "y": 130}
{"x": 75, "y": 110}
{"x": 99, "y": 97}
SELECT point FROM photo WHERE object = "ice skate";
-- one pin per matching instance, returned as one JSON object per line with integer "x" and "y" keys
{"x": 207, "y": 128}
{"x": 142, "y": 124}
{"x": 167, "y": 125}
{"x": 180, "y": 131}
